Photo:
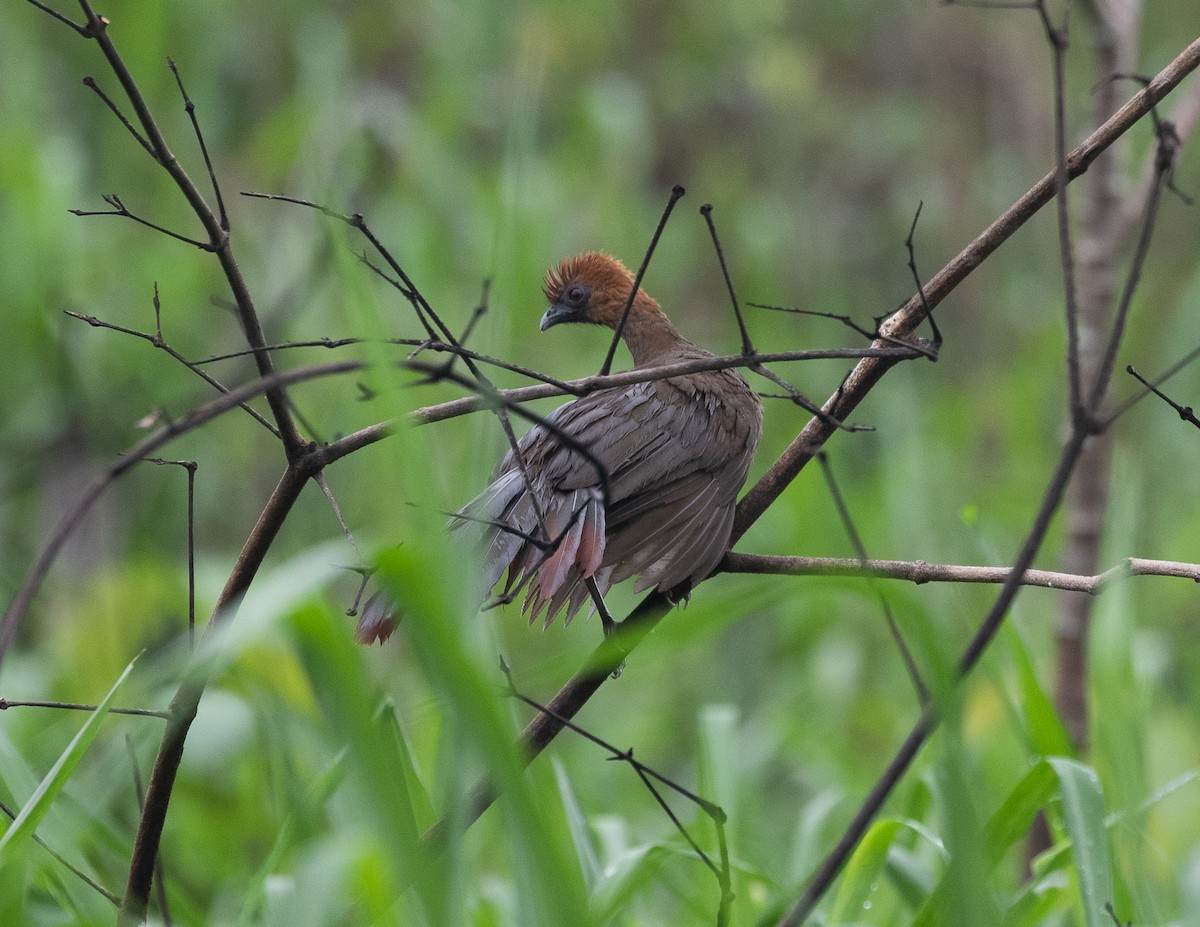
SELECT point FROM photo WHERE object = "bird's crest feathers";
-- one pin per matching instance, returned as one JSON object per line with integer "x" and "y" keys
{"x": 609, "y": 281}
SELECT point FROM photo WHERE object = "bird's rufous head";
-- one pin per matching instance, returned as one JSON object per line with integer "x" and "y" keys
{"x": 591, "y": 287}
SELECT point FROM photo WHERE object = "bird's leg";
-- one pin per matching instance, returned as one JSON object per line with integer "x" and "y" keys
{"x": 606, "y": 619}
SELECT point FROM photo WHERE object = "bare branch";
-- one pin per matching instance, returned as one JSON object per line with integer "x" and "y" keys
{"x": 839, "y": 501}
{"x": 90, "y": 82}
{"x": 903, "y": 323}
{"x": 676, "y": 192}
{"x": 120, "y": 209}
{"x": 747, "y": 344}
{"x": 59, "y": 858}
{"x": 157, "y": 340}
{"x": 190, "y": 107}
{"x": 912, "y": 266}
{"x": 919, "y": 572}
{"x": 582, "y": 387}
{"x": 7, "y": 703}
{"x": 190, "y": 466}
{"x": 1168, "y": 144}
{"x": 1185, "y": 412}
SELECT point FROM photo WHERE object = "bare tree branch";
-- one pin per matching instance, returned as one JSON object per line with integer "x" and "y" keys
{"x": 904, "y": 322}
{"x": 920, "y": 572}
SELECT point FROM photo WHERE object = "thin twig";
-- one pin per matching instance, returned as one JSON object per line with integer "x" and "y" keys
{"x": 286, "y": 345}
{"x": 1151, "y": 386}
{"x": 190, "y": 466}
{"x": 646, "y": 773}
{"x": 190, "y": 107}
{"x": 676, "y": 192}
{"x": 437, "y": 346}
{"x": 7, "y": 703}
{"x": 158, "y": 342}
{"x": 869, "y": 334}
{"x": 747, "y": 344}
{"x": 62, "y": 860}
{"x": 323, "y": 482}
{"x": 582, "y": 387}
{"x": 1164, "y": 161}
{"x": 1185, "y": 412}
{"x": 839, "y": 501}
{"x": 104, "y": 98}
{"x": 83, "y": 30}
{"x": 912, "y": 266}
{"x": 428, "y": 318}
{"x": 120, "y": 209}
{"x": 1057, "y": 36}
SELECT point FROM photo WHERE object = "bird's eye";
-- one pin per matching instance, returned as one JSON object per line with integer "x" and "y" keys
{"x": 577, "y": 294}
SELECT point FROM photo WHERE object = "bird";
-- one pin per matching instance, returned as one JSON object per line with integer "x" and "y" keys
{"x": 653, "y": 497}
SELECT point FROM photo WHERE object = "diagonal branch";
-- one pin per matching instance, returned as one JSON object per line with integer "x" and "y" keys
{"x": 988, "y": 628}
{"x": 182, "y": 710}
{"x": 901, "y": 326}
{"x": 903, "y": 323}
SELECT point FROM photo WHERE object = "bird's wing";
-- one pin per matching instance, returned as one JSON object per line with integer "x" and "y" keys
{"x": 674, "y": 454}
{"x": 646, "y": 437}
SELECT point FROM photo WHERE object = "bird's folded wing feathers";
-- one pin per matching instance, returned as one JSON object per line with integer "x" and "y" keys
{"x": 674, "y": 458}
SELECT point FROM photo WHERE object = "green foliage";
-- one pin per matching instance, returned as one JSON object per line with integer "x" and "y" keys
{"x": 26, "y": 822}
{"x": 486, "y": 140}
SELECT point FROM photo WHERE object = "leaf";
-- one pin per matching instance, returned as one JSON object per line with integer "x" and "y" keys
{"x": 912, "y": 876}
{"x": 1008, "y": 825}
{"x": 861, "y": 876}
{"x": 12, "y": 892}
{"x": 418, "y": 797}
{"x": 1044, "y": 727}
{"x": 1013, "y": 818}
{"x": 31, "y": 814}
{"x": 581, "y": 835}
{"x": 1083, "y": 812}
{"x": 1038, "y": 901}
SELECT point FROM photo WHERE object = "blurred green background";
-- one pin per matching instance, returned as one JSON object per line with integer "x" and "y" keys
{"x": 489, "y": 140}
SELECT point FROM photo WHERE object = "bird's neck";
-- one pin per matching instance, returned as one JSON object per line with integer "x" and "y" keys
{"x": 650, "y": 336}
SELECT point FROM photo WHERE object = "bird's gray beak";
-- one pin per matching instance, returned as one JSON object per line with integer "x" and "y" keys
{"x": 555, "y": 314}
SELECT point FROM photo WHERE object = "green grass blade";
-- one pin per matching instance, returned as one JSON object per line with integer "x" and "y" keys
{"x": 31, "y": 814}
{"x": 1012, "y": 820}
{"x": 1043, "y": 726}
{"x": 581, "y": 834}
{"x": 1006, "y": 827}
{"x": 1083, "y": 813}
{"x": 862, "y": 874}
